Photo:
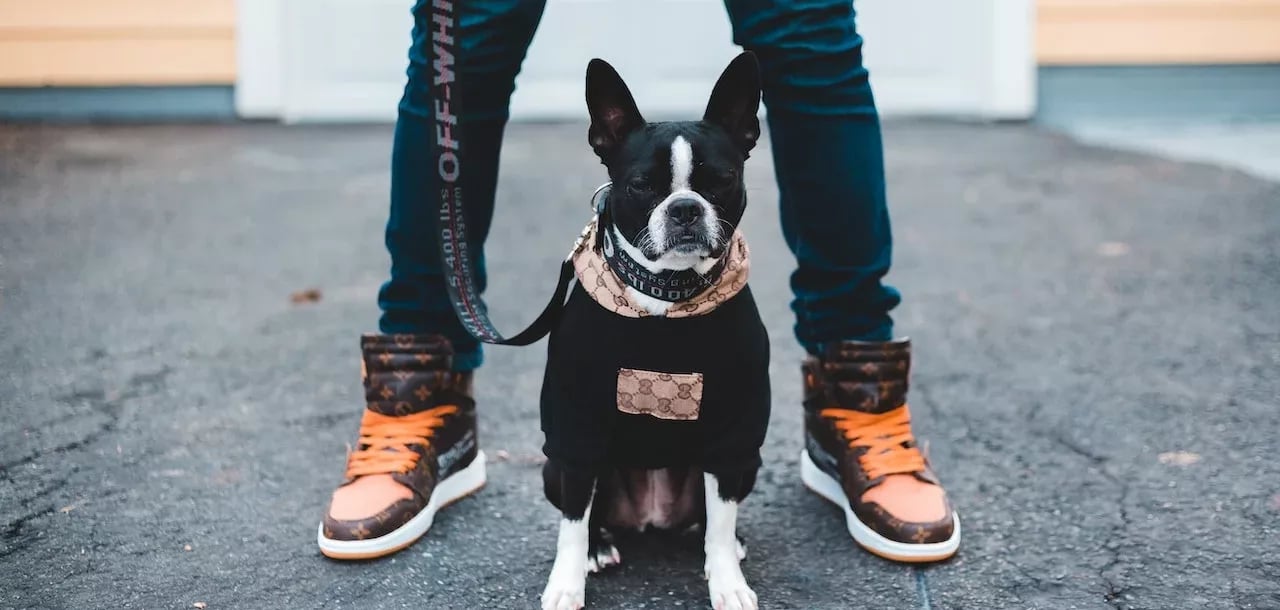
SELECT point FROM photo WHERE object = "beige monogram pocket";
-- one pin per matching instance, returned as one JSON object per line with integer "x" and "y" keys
{"x": 662, "y": 395}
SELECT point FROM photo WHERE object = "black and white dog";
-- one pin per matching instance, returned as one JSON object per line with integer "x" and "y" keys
{"x": 655, "y": 398}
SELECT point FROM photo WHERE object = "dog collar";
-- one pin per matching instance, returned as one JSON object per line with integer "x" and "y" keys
{"x": 668, "y": 285}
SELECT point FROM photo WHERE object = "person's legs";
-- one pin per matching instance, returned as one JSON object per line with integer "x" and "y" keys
{"x": 492, "y": 38}
{"x": 829, "y": 160}
{"x": 417, "y": 372}
{"x": 829, "y": 164}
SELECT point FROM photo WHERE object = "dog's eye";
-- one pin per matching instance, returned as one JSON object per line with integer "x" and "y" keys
{"x": 637, "y": 186}
{"x": 720, "y": 178}
{"x": 724, "y": 180}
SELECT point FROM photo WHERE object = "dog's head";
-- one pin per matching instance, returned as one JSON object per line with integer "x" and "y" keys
{"x": 678, "y": 192}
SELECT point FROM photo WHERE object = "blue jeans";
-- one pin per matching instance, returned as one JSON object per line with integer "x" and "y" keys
{"x": 827, "y": 150}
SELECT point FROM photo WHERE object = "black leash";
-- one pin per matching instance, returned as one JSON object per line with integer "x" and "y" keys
{"x": 454, "y": 251}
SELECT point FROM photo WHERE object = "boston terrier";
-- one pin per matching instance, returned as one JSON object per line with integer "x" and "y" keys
{"x": 655, "y": 397}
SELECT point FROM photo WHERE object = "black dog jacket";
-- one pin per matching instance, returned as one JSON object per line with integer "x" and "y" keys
{"x": 624, "y": 388}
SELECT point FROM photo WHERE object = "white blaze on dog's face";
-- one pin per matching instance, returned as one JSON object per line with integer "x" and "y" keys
{"x": 684, "y": 225}
{"x": 677, "y": 193}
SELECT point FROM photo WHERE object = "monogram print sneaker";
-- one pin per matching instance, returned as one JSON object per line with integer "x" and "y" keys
{"x": 417, "y": 451}
{"x": 860, "y": 453}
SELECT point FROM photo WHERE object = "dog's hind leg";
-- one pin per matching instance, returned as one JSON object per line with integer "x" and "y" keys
{"x": 727, "y": 586}
{"x": 602, "y": 553}
{"x": 571, "y": 491}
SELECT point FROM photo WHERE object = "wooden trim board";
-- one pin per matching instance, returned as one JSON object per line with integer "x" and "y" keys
{"x": 100, "y": 14}
{"x": 1118, "y": 32}
{"x": 122, "y": 42}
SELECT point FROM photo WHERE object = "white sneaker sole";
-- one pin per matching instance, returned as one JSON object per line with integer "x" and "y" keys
{"x": 824, "y": 485}
{"x": 457, "y": 486}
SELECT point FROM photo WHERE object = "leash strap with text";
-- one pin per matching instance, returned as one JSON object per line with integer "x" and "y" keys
{"x": 454, "y": 251}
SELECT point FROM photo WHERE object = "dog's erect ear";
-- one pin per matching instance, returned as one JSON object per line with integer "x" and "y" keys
{"x": 613, "y": 110}
{"x": 736, "y": 99}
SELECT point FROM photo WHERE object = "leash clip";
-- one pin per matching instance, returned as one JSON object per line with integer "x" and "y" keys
{"x": 582, "y": 238}
{"x": 597, "y": 207}
{"x": 598, "y": 198}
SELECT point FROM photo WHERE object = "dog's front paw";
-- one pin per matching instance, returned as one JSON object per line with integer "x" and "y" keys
{"x": 729, "y": 590}
{"x": 564, "y": 591}
{"x": 733, "y": 596}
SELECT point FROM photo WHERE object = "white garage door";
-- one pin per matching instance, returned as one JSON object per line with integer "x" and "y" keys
{"x": 327, "y": 60}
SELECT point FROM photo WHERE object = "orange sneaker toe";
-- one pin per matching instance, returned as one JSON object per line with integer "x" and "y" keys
{"x": 905, "y": 509}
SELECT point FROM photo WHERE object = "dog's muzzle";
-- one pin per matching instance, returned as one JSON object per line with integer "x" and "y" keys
{"x": 688, "y": 226}
{"x": 684, "y": 212}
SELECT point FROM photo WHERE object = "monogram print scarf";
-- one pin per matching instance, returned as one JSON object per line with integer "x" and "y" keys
{"x": 599, "y": 281}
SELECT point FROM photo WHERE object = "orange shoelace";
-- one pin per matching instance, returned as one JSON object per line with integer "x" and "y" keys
{"x": 385, "y": 440}
{"x": 883, "y": 435}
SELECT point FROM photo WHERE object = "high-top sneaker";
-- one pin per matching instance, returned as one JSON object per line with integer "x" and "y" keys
{"x": 417, "y": 451}
{"x": 860, "y": 453}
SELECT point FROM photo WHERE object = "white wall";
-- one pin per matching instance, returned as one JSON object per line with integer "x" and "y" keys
{"x": 317, "y": 60}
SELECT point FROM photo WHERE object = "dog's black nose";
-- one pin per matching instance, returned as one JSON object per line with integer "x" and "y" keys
{"x": 684, "y": 211}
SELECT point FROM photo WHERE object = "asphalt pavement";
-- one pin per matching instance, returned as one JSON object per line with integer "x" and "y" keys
{"x": 1097, "y": 341}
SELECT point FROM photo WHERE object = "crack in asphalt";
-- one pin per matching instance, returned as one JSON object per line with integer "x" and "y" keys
{"x": 1028, "y": 575}
{"x": 322, "y": 420}
{"x": 922, "y": 589}
{"x": 1097, "y": 460}
{"x": 98, "y": 403}
{"x": 110, "y": 404}
{"x": 12, "y": 532}
{"x": 1115, "y": 593}
{"x": 991, "y": 446}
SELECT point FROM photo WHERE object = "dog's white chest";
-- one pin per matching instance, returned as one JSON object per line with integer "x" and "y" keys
{"x": 654, "y": 307}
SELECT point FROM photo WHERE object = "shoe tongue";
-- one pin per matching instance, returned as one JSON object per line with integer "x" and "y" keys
{"x": 405, "y": 374}
{"x": 867, "y": 377}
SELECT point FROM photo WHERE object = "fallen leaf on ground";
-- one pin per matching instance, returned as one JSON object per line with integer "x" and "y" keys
{"x": 186, "y": 547}
{"x": 1179, "y": 458}
{"x": 200, "y": 605}
{"x": 502, "y": 455}
{"x": 66, "y": 509}
{"x": 227, "y": 476}
{"x": 310, "y": 295}
{"x": 1113, "y": 248}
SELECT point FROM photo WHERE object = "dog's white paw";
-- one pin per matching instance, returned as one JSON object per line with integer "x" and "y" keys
{"x": 733, "y": 597}
{"x": 566, "y": 586}
{"x": 729, "y": 590}
{"x": 564, "y": 593}
{"x": 604, "y": 556}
